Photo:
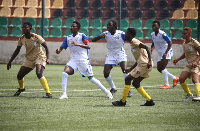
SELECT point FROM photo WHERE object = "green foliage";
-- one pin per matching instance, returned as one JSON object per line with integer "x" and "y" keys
{"x": 88, "y": 109}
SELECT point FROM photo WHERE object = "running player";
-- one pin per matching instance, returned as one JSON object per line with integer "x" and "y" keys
{"x": 79, "y": 59}
{"x": 162, "y": 44}
{"x": 138, "y": 71}
{"x": 116, "y": 52}
{"x": 191, "y": 48}
{"x": 35, "y": 57}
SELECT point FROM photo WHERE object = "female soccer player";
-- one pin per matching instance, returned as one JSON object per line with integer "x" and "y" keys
{"x": 35, "y": 57}
{"x": 116, "y": 52}
{"x": 162, "y": 44}
{"x": 79, "y": 59}
{"x": 191, "y": 48}
{"x": 138, "y": 71}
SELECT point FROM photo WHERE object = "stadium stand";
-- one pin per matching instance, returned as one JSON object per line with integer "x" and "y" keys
{"x": 109, "y": 4}
{"x": 57, "y": 4}
{"x": 84, "y": 4}
{"x": 5, "y": 12}
{"x": 4, "y": 21}
{"x": 192, "y": 24}
{"x": 84, "y": 23}
{"x": 19, "y": 3}
{"x": 31, "y": 12}
{"x": 57, "y": 13}
{"x": 47, "y": 13}
{"x": 32, "y": 3}
{"x": 139, "y": 34}
{"x": 189, "y": 5}
{"x": 151, "y": 14}
{"x": 135, "y": 4}
{"x": 164, "y": 14}
{"x": 168, "y": 32}
{"x": 148, "y": 35}
{"x": 97, "y": 14}
{"x": 192, "y": 14}
{"x": 177, "y": 25}
{"x": 137, "y": 14}
{"x": 32, "y": 21}
{"x": 124, "y": 24}
{"x": 148, "y": 24}
{"x": 178, "y": 35}
{"x": 68, "y": 23}
{"x": 70, "y": 4}
{"x": 3, "y": 31}
{"x": 6, "y": 3}
{"x": 67, "y": 32}
{"x": 124, "y": 14}
{"x": 194, "y": 34}
{"x": 149, "y": 4}
{"x": 178, "y": 14}
{"x": 47, "y": 4}
{"x": 16, "y": 32}
{"x": 96, "y": 24}
{"x": 46, "y": 32}
{"x": 123, "y": 4}
{"x": 18, "y": 12}
{"x": 56, "y": 33}
{"x": 164, "y": 24}
{"x": 96, "y": 4}
{"x": 175, "y": 4}
{"x": 85, "y": 13}
{"x": 46, "y": 23}
{"x": 70, "y": 13}
{"x": 85, "y": 31}
{"x": 56, "y": 22}
{"x": 137, "y": 24}
{"x": 33, "y": 30}
{"x": 105, "y": 24}
{"x": 162, "y": 4}
{"x": 95, "y": 32}
{"x": 110, "y": 14}
{"x": 16, "y": 22}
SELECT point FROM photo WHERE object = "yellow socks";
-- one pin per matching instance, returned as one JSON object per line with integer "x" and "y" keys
{"x": 197, "y": 88}
{"x": 143, "y": 93}
{"x": 21, "y": 84}
{"x": 125, "y": 92}
{"x": 186, "y": 89}
{"x": 44, "y": 83}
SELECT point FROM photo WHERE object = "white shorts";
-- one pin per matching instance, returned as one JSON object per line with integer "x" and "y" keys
{"x": 112, "y": 59}
{"x": 83, "y": 67}
{"x": 168, "y": 57}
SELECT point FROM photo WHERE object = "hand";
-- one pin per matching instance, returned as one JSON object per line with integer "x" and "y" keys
{"x": 58, "y": 51}
{"x": 194, "y": 64}
{"x": 175, "y": 61}
{"x": 103, "y": 35}
{"x": 8, "y": 65}
{"x": 48, "y": 61}
{"x": 127, "y": 70}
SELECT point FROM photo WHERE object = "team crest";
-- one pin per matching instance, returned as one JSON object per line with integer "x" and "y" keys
{"x": 34, "y": 43}
{"x": 116, "y": 37}
{"x": 190, "y": 48}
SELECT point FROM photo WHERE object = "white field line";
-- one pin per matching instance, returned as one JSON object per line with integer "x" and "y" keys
{"x": 60, "y": 90}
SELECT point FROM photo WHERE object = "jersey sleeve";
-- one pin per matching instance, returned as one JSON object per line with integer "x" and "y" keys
{"x": 101, "y": 34}
{"x": 166, "y": 37}
{"x": 19, "y": 42}
{"x": 135, "y": 43}
{"x": 196, "y": 44}
{"x": 64, "y": 44}
{"x": 122, "y": 35}
{"x": 40, "y": 40}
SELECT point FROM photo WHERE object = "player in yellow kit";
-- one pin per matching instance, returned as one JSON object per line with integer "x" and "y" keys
{"x": 35, "y": 57}
{"x": 191, "y": 48}
{"x": 138, "y": 71}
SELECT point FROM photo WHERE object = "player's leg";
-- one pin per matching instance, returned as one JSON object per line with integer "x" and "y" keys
{"x": 123, "y": 66}
{"x": 107, "y": 76}
{"x": 140, "y": 89}
{"x": 183, "y": 76}
{"x": 126, "y": 89}
{"x": 67, "y": 71}
{"x": 20, "y": 77}
{"x": 195, "y": 80}
{"x": 43, "y": 81}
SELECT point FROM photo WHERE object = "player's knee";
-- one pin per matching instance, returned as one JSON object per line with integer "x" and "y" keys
{"x": 135, "y": 84}
{"x": 194, "y": 80}
{"x": 160, "y": 70}
{"x": 106, "y": 75}
{"x": 19, "y": 77}
{"x": 39, "y": 75}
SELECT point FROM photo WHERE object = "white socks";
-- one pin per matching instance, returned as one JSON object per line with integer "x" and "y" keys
{"x": 110, "y": 82}
{"x": 98, "y": 83}
{"x": 166, "y": 74}
{"x": 64, "y": 82}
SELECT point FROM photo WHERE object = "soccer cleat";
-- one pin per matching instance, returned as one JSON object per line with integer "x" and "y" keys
{"x": 129, "y": 94}
{"x": 48, "y": 95}
{"x": 196, "y": 98}
{"x": 175, "y": 81}
{"x": 109, "y": 94}
{"x": 19, "y": 91}
{"x": 187, "y": 97}
{"x": 118, "y": 103}
{"x": 165, "y": 87}
{"x": 149, "y": 103}
{"x": 63, "y": 96}
{"x": 112, "y": 91}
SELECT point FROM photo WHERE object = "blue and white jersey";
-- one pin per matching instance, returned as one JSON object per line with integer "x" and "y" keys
{"x": 160, "y": 41}
{"x": 115, "y": 42}
{"x": 76, "y": 52}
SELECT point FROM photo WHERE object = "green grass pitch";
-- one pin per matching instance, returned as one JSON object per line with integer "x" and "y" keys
{"x": 88, "y": 109}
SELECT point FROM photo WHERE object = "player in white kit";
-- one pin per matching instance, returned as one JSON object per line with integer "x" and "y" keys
{"x": 162, "y": 44}
{"x": 79, "y": 59}
{"x": 115, "y": 53}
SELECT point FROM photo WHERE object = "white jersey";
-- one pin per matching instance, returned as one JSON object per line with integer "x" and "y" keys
{"x": 160, "y": 41}
{"x": 76, "y": 52}
{"x": 115, "y": 42}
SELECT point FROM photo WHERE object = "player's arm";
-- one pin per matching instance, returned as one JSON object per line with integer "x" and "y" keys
{"x": 149, "y": 65}
{"x": 15, "y": 53}
{"x": 86, "y": 44}
{"x": 129, "y": 70}
{"x": 63, "y": 46}
{"x": 195, "y": 63}
{"x": 103, "y": 35}
{"x": 178, "y": 59}
{"x": 152, "y": 47}
{"x": 169, "y": 42}
{"x": 47, "y": 51}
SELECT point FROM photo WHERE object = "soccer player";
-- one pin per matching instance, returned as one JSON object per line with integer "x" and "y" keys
{"x": 162, "y": 44}
{"x": 115, "y": 53}
{"x": 191, "y": 48}
{"x": 138, "y": 71}
{"x": 79, "y": 59}
{"x": 35, "y": 57}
